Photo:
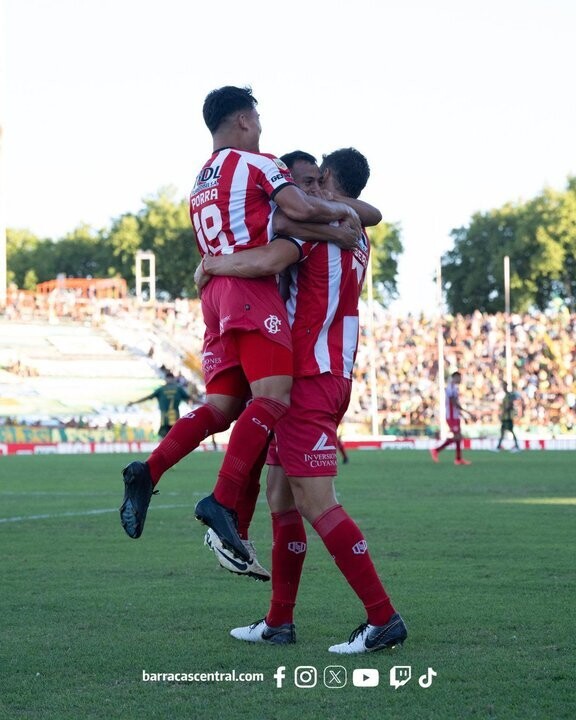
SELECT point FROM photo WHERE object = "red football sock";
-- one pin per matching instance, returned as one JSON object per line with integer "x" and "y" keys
{"x": 445, "y": 444}
{"x": 184, "y": 436}
{"x": 247, "y": 500}
{"x": 458, "y": 450}
{"x": 288, "y": 553}
{"x": 247, "y": 440}
{"x": 345, "y": 542}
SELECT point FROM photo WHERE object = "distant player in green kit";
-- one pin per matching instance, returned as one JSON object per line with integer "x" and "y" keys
{"x": 507, "y": 418}
{"x": 169, "y": 397}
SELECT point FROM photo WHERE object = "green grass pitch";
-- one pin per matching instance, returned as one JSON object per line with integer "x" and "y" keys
{"x": 479, "y": 560}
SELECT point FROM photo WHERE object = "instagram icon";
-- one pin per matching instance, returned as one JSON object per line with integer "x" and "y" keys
{"x": 305, "y": 676}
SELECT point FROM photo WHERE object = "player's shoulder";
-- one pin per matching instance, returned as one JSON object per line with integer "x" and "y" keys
{"x": 263, "y": 160}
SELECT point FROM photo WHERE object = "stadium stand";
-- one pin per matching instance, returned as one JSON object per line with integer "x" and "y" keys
{"x": 65, "y": 354}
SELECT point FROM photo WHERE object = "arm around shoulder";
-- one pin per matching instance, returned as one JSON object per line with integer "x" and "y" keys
{"x": 257, "y": 262}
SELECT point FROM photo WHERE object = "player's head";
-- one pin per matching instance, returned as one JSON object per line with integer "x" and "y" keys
{"x": 456, "y": 376}
{"x": 304, "y": 170}
{"x": 170, "y": 377}
{"x": 345, "y": 171}
{"x": 233, "y": 109}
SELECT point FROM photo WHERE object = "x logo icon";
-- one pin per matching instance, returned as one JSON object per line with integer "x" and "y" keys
{"x": 335, "y": 676}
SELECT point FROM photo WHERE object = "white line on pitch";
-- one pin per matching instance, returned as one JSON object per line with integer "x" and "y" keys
{"x": 50, "y": 516}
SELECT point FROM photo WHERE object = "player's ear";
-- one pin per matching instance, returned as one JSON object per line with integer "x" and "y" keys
{"x": 243, "y": 120}
{"x": 326, "y": 178}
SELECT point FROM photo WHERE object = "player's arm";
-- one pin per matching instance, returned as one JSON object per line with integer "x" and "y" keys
{"x": 341, "y": 234}
{"x": 257, "y": 262}
{"x": 368, "y": 214}
{"x": 463, "y": 410}
{"x": 307, "y": 208}
{"x": 136, "y": 402}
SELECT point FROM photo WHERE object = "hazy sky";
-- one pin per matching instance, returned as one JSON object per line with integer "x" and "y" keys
{"x": 460, "y": 106}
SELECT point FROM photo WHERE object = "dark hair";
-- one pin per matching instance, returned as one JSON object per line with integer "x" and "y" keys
{"x": 223, "y": 102}
{"x": 292, "y": 157}
{"x": 350, "y": 169}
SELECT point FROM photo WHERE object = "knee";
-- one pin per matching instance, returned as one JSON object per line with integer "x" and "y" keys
{"x": 275, "y": 388}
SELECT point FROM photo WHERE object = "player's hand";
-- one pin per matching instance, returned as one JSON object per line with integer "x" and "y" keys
{"x": 345, "y": 236}
{"x": 352, "y": 218}
{"x": 201, "y": 279}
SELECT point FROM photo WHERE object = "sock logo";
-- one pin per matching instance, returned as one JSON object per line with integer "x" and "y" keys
{"x": 321, "y": 444}
{"x": 297, "y": 547}
{"x": 360, "y": 548}
{"x": 262, "y": 425}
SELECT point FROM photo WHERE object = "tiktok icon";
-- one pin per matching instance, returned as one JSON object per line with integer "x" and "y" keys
{"x": 426, "y": 680}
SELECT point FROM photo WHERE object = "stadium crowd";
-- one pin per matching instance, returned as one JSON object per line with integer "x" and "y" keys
{"x": 405, "y": 352}
{"x": 543, "y": 352}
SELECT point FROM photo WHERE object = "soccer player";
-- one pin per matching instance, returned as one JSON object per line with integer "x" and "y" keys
{"x": 342, "y": 450}
{"x": 169, "y": 397}
{"x": 454, "y": 412}
{"x": 507, "y": 418}
{"x": 323, "y": 311}
{"x": 247, "y": 345}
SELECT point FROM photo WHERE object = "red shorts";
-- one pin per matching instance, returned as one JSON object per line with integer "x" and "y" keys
{"x": 306, "y": 437}
{"x": 454, "y": 425}
{"x": 247, "y": 326}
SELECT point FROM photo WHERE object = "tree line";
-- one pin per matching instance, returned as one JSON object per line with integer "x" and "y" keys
{"x": 538, "y": 235}
{"x": 163, "y": 226}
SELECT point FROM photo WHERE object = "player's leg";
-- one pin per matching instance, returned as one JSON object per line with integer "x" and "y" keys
{"x": 213, "y": 416}
{"x": 227, "y": 389}
{"x": 516, "y": 444}
{"x": 288, "y": 553}
{"x": 245, "y": 510}
{"x": 308, "y": 452}
{"x": 446, "y": 443}
{"x": 226, "y": 393}
{"x": 268, "y": 368}
{"x": 342, "y": 451}
{"x": 140, "y": 478}
{"x": 288, "y": 548}
{"x": 501, "y": 438}
{"x": 459, "y": 460}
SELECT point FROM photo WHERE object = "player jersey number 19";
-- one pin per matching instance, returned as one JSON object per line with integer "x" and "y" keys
{"x": 208, "y": 227}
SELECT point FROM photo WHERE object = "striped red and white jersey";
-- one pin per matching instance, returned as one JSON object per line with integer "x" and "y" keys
{"x": 452, "y": 401}
{"x": 323, "y": 308}
{"x": 232, "y": 201}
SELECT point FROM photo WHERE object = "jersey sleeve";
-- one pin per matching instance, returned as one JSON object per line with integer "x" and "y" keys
{"x": 304, "y": 247}
{"x": 270, "y": 173}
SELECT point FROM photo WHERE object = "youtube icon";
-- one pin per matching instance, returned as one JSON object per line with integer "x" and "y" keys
{"x": 365, "y": 677}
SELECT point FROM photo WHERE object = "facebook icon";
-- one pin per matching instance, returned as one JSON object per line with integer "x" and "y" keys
{"x": 279, "y": 675}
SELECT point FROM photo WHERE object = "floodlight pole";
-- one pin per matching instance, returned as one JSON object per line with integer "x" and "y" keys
{"x": 440, "y": 336}
{"x": 507, "y": 320}
{"x": 372, "y": 351}
{"x": 3, "y": 251}
{"x": 145, "y": 256}
{"x": 3, "y": 248}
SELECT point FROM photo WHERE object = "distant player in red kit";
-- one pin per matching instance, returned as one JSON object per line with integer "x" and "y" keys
{"x": 247, "y": 344}
{"x": 454, "y": 412}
